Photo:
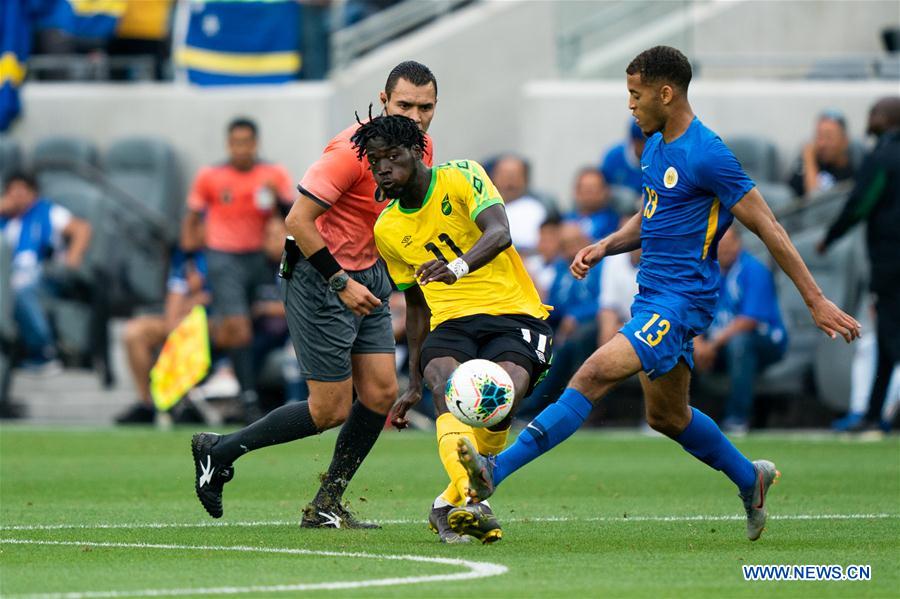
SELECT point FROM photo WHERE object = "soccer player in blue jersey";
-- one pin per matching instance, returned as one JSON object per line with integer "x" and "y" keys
{"x": 693, "y": 187}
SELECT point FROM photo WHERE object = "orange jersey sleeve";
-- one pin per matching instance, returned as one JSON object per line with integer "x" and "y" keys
{"x": 335, "y": 173}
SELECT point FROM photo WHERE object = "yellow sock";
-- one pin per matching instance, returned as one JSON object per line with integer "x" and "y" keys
{"x": 449, "y": 429}
{"x": 490, "y": 442}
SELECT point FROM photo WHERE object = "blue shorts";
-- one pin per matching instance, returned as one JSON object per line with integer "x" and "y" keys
{"x": 662, "y": 329}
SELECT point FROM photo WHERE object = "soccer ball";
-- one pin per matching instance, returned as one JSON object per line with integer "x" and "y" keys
{"x": 480, "y": 393}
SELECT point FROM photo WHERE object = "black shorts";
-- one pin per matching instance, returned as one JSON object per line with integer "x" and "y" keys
{"x": 518, "y": 338}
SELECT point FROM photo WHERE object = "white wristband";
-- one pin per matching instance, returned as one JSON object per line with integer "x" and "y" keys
{"x": 459, "y": 267}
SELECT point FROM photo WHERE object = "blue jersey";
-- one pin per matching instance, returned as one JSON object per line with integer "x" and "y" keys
{"x": 689, "y": 188}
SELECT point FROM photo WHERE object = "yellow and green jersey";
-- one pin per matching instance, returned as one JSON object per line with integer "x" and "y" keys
{"x": 444, "y": 228}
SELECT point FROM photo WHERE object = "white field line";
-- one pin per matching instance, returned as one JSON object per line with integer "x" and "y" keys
{"x": 610, "y": 519}
{"x": 474, "y": 570}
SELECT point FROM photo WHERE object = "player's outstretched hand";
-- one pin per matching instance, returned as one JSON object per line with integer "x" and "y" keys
{"x": 834, "y": 321}
{"x": 398, "y": 412}
{"x": 585, "y": 259}
{"x": 435, "y": 270}
{"x": 358, "y": 298}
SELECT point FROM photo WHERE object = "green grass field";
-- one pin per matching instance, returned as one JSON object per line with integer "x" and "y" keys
{"x": 112, "y": 513}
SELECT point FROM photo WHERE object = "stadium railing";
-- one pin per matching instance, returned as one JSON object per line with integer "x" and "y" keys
{"x": 352, "y": 42}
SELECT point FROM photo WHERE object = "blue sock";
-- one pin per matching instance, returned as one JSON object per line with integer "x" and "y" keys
{"x": 551, "y": 427}
{"x": 703, "y": 440}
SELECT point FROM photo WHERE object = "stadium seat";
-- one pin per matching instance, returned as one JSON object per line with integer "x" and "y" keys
{"x": 757, "y": 155}
{"x": 832, "y": 365}
{"x": 777, "y": 195}
{"x": 81, "y": 316}
{"x": 841, "y": 280}
{"x": 147, "y": 170}
{"x": 58, "y": 160}
{"x": 10, "y": 157}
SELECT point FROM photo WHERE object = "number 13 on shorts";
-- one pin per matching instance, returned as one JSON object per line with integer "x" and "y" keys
{"x": 654, "y": 336}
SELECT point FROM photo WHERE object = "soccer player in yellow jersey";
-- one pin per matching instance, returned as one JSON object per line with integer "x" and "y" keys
{"x": 445, "y": 239}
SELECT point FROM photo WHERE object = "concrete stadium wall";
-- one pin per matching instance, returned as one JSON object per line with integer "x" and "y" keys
{"x": 565, "y": 125}
{"x": 481, "y": 57}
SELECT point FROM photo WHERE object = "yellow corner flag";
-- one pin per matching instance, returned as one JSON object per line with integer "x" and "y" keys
{"x": 183, "y": 361}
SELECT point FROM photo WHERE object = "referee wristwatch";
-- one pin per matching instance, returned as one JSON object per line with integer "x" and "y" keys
{"x": 338, "y": 282}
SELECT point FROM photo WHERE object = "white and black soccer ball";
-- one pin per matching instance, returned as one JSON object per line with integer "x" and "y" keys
{"x": 480, "y": 393}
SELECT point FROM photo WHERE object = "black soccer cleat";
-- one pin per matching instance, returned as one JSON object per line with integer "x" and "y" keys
{"x": 475, "y": 520}
{"x": 210, "y": 476}
{"x": 437, "y": 522}
{"x": 332, "y": 515}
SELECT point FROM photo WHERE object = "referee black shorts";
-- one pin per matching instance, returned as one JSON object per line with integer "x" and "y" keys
{"x": 518, "y": 338}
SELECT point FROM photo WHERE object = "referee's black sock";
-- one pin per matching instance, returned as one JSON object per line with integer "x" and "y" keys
{"x": 354, "y": 442}
{"x": 287, "y": 423}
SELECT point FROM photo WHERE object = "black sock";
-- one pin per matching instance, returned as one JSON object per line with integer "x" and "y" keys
{"x": 244, "y": 370}
{"x": 354, "y": 442}
{"x": 287, "y": 423}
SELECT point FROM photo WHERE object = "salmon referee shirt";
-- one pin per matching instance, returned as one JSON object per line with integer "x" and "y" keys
{"x": 238, "y": 203}
{"x": 343, "y": 184}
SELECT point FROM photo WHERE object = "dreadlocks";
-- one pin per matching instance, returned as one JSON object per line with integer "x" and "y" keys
{"x": 393, "y": 130}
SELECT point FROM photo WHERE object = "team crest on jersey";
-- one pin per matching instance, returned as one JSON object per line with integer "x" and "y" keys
{"x": 670, "y": 179}
{"x": 446, "y": 208}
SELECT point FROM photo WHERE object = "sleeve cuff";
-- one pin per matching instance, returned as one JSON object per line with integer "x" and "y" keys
{"x": 485, "y": 205}
{"x": 313, "y": 197}
{"x": 404, "y": 286}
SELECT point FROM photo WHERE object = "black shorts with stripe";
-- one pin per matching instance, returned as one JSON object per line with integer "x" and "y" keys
{"x": 518, "y": 338}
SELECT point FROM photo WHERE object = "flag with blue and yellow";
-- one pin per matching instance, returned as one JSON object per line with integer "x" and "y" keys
{"x": 241, "y": 42}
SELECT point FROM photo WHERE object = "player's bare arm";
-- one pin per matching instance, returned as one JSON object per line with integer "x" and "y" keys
{"x": 495, "y": 239}
{"x": 301, "y": 224}
{"x": 192, "y": 231}
{"x": 624, "y": 240}
{"x": 756, "y": 215}
{"x": 418, "y": 319}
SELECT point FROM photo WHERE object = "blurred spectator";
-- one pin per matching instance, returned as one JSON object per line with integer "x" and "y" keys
{"x": 38, "y": 230}
{"x": 621, "y": 164}
{"x": 876, "y": 199}
{"x": 592, "y": 210}
{"x": 144, "y": 335}
{"x": 826, "y": 160}
{"x": 542, "y": 264}
{"x": 574, "y": 302}
{"x": 143, "y": 30}
{"x": 747, "y": 326}
{"x": 525, "y": 212}
{"x": 618, "y": 286}
{"x": 228, "y": 208}
{"x": 574, "y": 319}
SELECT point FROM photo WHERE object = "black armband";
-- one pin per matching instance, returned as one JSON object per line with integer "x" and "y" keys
{"x": 325, "y": 263}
